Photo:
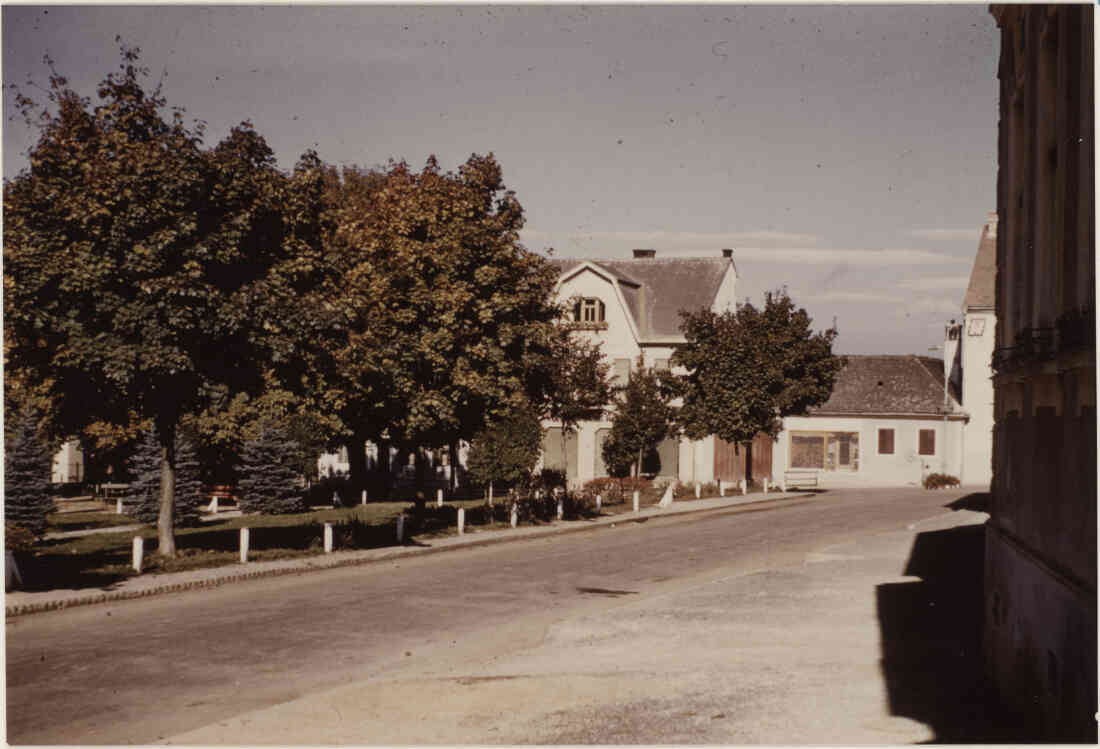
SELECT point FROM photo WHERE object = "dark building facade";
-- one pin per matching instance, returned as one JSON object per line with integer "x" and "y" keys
{"x": 1040, "y": 564}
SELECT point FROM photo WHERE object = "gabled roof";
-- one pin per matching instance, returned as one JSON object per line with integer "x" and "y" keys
{"x": 888, "y": 385}
{"x": 982, "y": 291}
{"x": 656, "y": 289}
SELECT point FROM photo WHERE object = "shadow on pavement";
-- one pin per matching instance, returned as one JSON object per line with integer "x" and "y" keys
{"x": 977, "y": 502}
{"x": 932, "y": 637}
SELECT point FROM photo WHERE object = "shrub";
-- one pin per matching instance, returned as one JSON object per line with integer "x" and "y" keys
{"x": 939, "y": 481}
{"x": 27, "y": 463}
{"x": 269, "y": 482}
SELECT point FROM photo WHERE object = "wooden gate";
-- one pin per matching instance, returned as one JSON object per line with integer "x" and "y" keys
{"x": 729, "y": 461}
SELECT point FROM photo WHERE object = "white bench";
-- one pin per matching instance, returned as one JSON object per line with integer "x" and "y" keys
{"x": 799, "y": 480}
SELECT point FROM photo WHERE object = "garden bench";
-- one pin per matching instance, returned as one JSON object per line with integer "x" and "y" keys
{"x": 799, "y": 480}
{"x": 220, "y": 494}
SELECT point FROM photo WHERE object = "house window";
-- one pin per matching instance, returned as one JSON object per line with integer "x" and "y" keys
{"x": 927, "y": 442}
{"x": 976, "y": 327}
{"x": 660, "y": 363}
{"x": 621, "y": 371}
{"x": 828, "y": 451}
{"x": 886, "y": 442}
{"x": 589, "y": 310}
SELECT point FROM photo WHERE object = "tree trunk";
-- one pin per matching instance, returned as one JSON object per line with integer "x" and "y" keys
{"x": 564, "y": 454}
{"x": 357, "y": 462}
{"x": 748, "y": 463}
{"x": 421, "y": 496}
{"x": 490, "y": 493}
{"x": 166, "y": 520}
{"x": 453, "y": 460}
{"x": 638, "y": 466}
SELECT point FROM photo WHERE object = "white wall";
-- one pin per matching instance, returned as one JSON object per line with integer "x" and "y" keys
{"x": 68, "y": 463}
{"x": 904, "y": 467}
{"x": 977, "y": 398}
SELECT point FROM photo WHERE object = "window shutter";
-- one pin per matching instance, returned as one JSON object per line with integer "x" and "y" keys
{"x": 927, "y": 442}
{"x": 886, "y": 442}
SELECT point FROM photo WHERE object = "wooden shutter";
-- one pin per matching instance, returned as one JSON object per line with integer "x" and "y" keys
{"x": 886, "y": 442}
{"x": 928, "y": 442}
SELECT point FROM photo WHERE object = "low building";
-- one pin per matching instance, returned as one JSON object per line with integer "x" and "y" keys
{"x": 888, "y": 422}
{"x": 631, "y": 307}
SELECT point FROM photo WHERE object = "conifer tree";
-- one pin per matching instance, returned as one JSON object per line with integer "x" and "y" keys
{"x": 269, "y": 483}
{"x": 27, "y": 463}
{"x": 142, "y": 500}
{"x": 189, "y": 494}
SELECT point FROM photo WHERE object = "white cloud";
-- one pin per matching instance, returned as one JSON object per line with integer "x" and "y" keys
{"x": 947, "y": 235}
{"x": 673, "y": 240}
{"x": 936, "y": 283}
{"x": 831, "y": 256}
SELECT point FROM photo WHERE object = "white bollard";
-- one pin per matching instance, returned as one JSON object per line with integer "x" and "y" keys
{"x": 244, "y": 545}
{"x": 561, "y": 509}
{"x": 118, "y": 506}
{"x": 599, "y": 501}
{"x": 744, "y": 487}
{"x": 401, "y": 528}
{"x": 139, "y": 553}
{"x": 698, "y": 490}
{"x": 364, "y": 500}
{"x": 765, "y": 485}
{"x": 515, "y": 515}
{"x": 721, "y": 488}
{"x": 783, "y": 485}
{"x": 461, "y": 521}
{"x": 438, "y": 497}
{"x": 635, "y": 500}
{"x": 328, "y": 538}
{"x": 214, "y": 505}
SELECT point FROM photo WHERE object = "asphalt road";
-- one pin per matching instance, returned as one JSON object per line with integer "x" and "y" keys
{"x": 147, "y": 670}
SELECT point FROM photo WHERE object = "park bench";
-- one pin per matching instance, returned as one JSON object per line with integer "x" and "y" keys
{"x": 799, "y": 480}
{"x": 219, "y": 495}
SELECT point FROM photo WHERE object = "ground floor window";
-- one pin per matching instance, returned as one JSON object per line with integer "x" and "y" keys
{"x": 886, "y": 442}
{"x": 827, "y": 451}
{"x": 927, "y": 442}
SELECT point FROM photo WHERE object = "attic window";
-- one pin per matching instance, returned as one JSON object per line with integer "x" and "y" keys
{"x": 588, "y": 310}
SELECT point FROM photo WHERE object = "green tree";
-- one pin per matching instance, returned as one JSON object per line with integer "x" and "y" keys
{"x": 436, "y": 313}
{"x": 506, "y": 451}
{"x": 269, "y": 483}
{"x": 643, "y": 418}
{"x": 749, "y": 368}
{"x": 141, "y": 269}
{"x": 579, "y": 386}
{"x": 27, "y": 463}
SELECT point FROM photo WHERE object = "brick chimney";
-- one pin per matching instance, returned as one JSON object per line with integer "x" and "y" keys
{"x": 644, "y": 253}
{"x": 727, "y": 252}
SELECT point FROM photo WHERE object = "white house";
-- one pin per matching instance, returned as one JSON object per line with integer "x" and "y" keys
{"x": 68, "y": 463}
{"x": 631, "y": 307}
{"x": 888, "y": 422}
{"x": 970, "y": 350}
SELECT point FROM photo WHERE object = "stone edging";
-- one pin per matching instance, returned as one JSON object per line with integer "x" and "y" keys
{"x": 212, "y": 582}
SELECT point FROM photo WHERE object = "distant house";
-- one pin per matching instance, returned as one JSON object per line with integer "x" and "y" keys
{"x": 888, "y": 422}
{"x": 631, "y": 306}
{"x": 969, "y": 348}
{"x": 68, "y": 464}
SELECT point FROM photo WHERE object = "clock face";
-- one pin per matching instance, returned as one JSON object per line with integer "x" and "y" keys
{"x": 976, "y": 326}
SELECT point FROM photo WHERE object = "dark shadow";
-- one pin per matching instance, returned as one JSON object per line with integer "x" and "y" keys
{"x": 932, "y": 637}
{"x": 608, "y": 592}
{"x": 977, "y": 502}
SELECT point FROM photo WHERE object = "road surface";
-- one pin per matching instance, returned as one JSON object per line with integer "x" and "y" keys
{"x": 671, "y": 630}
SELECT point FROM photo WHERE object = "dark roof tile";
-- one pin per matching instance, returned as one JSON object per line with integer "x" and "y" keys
{"x": 887, "y": 385}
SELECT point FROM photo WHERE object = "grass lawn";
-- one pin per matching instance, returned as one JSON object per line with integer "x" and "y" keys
{"x": 76, "y": 521}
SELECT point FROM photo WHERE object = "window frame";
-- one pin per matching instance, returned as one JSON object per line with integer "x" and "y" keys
{"x": 920, "y": 442}
{"x": 893, "y": 441}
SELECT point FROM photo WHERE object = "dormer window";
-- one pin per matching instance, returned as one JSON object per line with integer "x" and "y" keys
{"x": 588, "y": 310}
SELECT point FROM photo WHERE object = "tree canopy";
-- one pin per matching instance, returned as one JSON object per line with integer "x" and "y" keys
{"x": 436, "y": 319}
{"x": 749, "y": 368}
{"x": 507, "y": 449}
{"x": 142, "y": 269}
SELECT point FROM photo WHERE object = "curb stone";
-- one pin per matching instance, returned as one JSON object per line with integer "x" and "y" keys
{"x": 389, "y": 554}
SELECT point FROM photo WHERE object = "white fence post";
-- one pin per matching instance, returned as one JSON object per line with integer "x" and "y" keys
{"x": 561, "y": 509}
{"x": 744, "y": 487}
{"x": 139, "y": 553}
{"x": 721, "y": 488}
{"x": 118, "y": 506}
{"x": 599, "y": 501}
{"x": 244, "y": 545}
{"x": 765, "y": 485}
{"x": 364, "y": 500}
{"x": 401, "y": 528}
{"x": 698, "y": 490}
{"x": 515, "y": 515}
{"x": 461, "y": 520}
{"x": 635, "y": 500}
{"x": 328, "y": 538}
{"x": 438, "y": 497}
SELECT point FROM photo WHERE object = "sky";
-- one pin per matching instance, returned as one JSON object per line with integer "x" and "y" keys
{"x": 847, "y": 153}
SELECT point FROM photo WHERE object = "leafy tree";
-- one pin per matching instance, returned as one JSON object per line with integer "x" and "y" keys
{"x": 643, "y": 418}
{"x": 436, "y": 313}
{"x": 749, "y": 368}
{"x": 579, "y": 386}
{"x": 141, "y": 270}
{"x": 27, "y": 463}
{"x": 507, "y": 450}
{"x": 269, "y": 483}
